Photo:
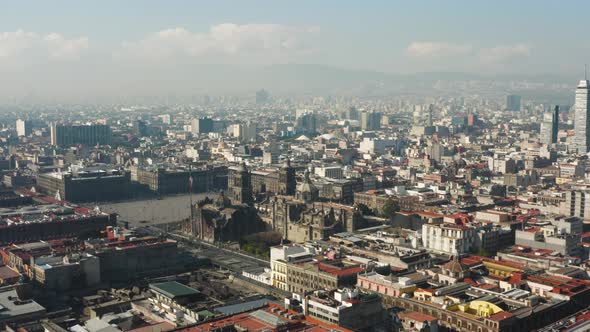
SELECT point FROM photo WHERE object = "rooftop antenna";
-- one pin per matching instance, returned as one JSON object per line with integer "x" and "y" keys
{"x": 585, "y": 72}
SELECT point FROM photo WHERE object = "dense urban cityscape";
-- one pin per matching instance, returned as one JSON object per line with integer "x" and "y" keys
{"x": 342, "y": 201}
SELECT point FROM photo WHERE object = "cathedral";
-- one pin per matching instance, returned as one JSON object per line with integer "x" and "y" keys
{"x": 302, "y": 217}
{"x": 294, "y": 211}
{"x": 227, "y": 218}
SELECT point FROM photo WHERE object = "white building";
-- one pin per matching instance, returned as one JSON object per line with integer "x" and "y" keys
{"x": 448, "y": 238}
{"x": 23, "y": 127}
{"x": 280, "y": 256}
{"x": 262, "y": 275}
{"x": 344, "y": 307}
{"x": 332, "y": 172}
{"x": 582, "y": 120}
{"x": 376, "y": 145}
{"x": 245, "y": 132}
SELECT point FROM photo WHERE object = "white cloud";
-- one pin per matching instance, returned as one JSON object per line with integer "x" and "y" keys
{"x": 227, "y": 39}
{"x": 504, "y": 53}
{"x": 20, "y": 44}
{"x": 437, "y": 49}
{"x": 62, "y": 48}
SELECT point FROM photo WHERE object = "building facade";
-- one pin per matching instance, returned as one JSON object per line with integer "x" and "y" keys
{"x": 549, "y": 127}
{"x": 86, "y": 186}
{"x": 65, "y": 135}
{"x": 582, "y": 118}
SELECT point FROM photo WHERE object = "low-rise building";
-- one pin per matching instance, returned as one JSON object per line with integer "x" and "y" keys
{"x": 326, "y": 274}
{"x": 347, "y": 308}
{"x": 86, "y": 184}
{"x": 385, "y": 285}
{"x": 65, "y": 272}
{"x": 535, "y": 237}
{"x": 448, "y": 238}
{"x": 16, "y": 309}
{"x": 123, "y": 260}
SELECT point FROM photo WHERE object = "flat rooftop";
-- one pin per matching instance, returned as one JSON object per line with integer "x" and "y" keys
{"x": 173, "y": 289}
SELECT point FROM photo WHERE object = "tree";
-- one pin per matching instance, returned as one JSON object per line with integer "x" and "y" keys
{"x": 389, "y": 209}
{"x": 365, "y": 210}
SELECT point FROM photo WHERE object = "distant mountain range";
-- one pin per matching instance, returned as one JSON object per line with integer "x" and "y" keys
{"x": 181, "y": 80}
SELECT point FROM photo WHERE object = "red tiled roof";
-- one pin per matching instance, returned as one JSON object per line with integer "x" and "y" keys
{"x": 500, "y": 316}
{"x": 427, "y": 290}
{"x": 251, "y": 323}
{"x": 416, "y": 316}
{"x": 340, "y": 272}
{"x": 562, "y": 285}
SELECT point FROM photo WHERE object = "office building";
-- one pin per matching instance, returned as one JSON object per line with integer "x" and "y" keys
{"x": 370, "y": 120}
{"x": 140, "y": 128}
{"x": 90, "y": 184}
{"x": 513, "y": 103}
{"x": 350, "y": 114}
{"x": 23, "y": 127}
{"x": 134, "y": 258}
{"x": 61, "y": 273}
{"x": 202, "y": 126}
{"x": 549, "y": 127}
{"x": 582, "y": 120}
{"x": 65, "y": 135}
{"x": 50, "y": 222}
{"x": 429, "y": 120}
{"x": 175, "y": 180}
{"x": 577, "y": 204}
{"x": 246, "y": 132}
{"x": 306, "y": 121}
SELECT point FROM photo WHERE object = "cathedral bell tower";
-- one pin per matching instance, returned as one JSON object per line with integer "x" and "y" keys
{"x": 287, "y": 180}
{"x": 240, "y": 186}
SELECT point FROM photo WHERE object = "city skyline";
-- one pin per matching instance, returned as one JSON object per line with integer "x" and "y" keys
{"x": 96, "y": 50}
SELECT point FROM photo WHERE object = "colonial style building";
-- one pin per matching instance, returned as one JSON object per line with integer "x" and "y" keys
{"x": 298, "y": 221}
{"x": 226, "y": 219}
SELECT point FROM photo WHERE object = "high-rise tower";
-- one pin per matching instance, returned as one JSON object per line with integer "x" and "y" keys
{"x": 549, "y": 126}
{"x": 513, "y": 103}
{"x": 23, "y": 127}
{"x": 582, "y": 124}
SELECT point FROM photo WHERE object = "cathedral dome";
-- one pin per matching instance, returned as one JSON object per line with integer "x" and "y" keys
{"x": 307, "y": 186}
{"x": 454, "y": 266}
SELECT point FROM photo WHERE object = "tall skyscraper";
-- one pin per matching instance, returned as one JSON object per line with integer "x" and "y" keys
{"x": 549, "y": 126}
{"x": 582, "y": 124}
{"x": 23, "y": 127}
{"x": 352, "y": 114}
{"x": 513, "y": 103}
{"x": 306, "y": 121}
{"x": 140, "y": 128}
{"x": 370, "y": 120}
{"x": 262, "y": 96}
{"x": 429, "y": 120}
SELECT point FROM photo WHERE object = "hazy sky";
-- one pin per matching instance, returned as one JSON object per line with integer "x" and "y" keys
{"x": 44, "y": 38}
